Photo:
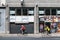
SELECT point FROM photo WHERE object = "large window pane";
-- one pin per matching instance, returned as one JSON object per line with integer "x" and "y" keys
{"x": 25, "y": 11}
{"x": 41, "y": 19}
{"x": 18, "y": 11}
{"x": 53, "y": 11}
{"x": 47, "y": 11}
{"x": 30, "y": 12}
{"x": 58, "y": 12}
{"x": 41, "y": 12}
{"x": 12, "y": 11}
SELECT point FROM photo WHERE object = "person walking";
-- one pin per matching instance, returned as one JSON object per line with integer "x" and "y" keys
{"x": 47, "y": 29}
{"x": 23, "y": 28}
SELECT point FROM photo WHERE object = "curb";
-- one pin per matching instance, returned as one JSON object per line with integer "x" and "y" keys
{"x": 30, "y": 35}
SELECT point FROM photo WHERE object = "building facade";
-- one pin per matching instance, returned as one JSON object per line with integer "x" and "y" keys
{"x": 33, "y": 14}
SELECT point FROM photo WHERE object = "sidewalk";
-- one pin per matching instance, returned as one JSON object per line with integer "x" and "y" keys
{"x": 31, "y": 35}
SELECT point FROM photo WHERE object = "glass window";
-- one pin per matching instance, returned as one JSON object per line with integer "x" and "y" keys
{"x": 24, "y": 11}
{"x": 30, "y": 12}
{"x": 47, "y": 11}
{"x": 41, "y": 12}
{"x": 12, "y": 11}
{"x": 58, "y": 12}
{"x": 53, "y": 11}
{"x": 18, "y": 12}
{"x": 42, "y": 19}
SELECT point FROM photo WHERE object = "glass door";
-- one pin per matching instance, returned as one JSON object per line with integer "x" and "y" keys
{"x": 41, "y": 24}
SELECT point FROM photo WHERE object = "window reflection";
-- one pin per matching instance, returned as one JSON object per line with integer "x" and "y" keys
{"x": 41, "y": 12}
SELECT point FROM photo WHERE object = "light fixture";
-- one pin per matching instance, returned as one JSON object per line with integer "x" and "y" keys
{"x": 22, "y": 1}
{"x": 36, "y": 4}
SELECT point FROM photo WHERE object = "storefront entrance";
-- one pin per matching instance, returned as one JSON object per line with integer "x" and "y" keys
{"x": 49, "y": 16}
{"x": 15, "y": 28}
{"x": 50, "y": 21}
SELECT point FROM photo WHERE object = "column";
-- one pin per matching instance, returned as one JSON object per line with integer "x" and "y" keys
{"x": 36, "y": 19}
{"x": 7, "y": 18}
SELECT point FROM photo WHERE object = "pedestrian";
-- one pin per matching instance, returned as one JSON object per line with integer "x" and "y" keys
{"x": 23, "y": 28}
{"x": 47, "y": 29}
{"x": 54, "y": 26}
{"x": 41, "y": 27}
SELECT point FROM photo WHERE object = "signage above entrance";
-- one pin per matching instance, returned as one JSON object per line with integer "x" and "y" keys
{"x": 21, "y": 19}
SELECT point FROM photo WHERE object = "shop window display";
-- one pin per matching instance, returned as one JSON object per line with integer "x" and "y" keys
{"x": 48, "y": 19}
{"x": 54, "y": 19}
{"x": 51, "y": 19}
{"x": 51, "y": 22}
{"x": 53, "y": 27}
{"x": 58, "y": 27}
